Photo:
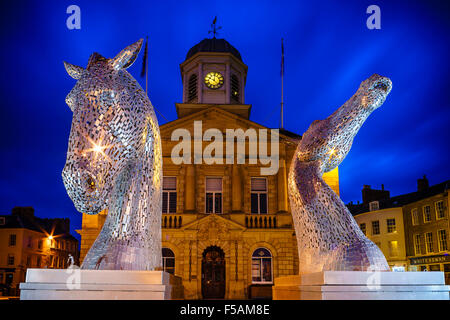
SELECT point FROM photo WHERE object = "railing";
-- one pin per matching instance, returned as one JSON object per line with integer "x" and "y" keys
{"x": 171, "y": 221}
{"x": 260, "y": 221}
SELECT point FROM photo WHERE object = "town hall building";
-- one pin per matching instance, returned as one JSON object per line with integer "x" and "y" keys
{"x": 227, "y": 229}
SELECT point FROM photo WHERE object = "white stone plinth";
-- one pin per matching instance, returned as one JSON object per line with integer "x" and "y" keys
{"x": 80, "y": 284}
{"x": 357, "y": 285}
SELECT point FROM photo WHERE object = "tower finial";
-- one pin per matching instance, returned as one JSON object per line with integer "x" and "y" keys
{"x": 214, "y": 28}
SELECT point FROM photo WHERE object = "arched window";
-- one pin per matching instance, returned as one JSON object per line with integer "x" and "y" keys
{"x": 235, "y": 89}
{"x": 262, "y": 266}
{"x": 192, "y": 87}
{"x": 168, "y": 260}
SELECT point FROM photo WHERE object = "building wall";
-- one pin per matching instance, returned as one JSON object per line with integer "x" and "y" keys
{"x": 436, "y": 259}
{"x": 384, "y": 239}
{"x": 27, "y": 254}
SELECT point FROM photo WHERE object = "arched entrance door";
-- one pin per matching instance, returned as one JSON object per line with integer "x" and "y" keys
{"x": 213, "y": 273}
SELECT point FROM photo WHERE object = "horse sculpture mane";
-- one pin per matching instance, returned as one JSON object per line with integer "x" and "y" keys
{"x": 114, "y": 162}
{"x": 328, "y": 236}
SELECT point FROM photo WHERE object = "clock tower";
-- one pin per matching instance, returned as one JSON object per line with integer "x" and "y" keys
{"x": 213, "y": 74}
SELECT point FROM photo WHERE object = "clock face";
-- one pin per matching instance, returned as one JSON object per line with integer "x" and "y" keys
{"x": 214, "y": 80}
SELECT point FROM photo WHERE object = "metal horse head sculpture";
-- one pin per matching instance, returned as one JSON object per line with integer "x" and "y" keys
{"x": 328, "y": 237}
{"x": 114, "y": 162}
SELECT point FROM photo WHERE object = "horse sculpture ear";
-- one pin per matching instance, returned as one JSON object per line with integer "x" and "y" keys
{"x": 127, "y": 56}
{"x": 73, "y": 70}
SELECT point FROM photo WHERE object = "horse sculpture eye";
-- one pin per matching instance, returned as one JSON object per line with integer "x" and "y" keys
{"x": 91, "y": 184}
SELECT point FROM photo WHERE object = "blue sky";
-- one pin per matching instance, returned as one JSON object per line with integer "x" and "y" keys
{"x": 328, "y": 52}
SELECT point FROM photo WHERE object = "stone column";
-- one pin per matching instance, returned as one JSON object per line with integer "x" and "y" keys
{"x": 282, "y": 186}
{"x": 236, "y": 188}
{"x": 189, "y": 193}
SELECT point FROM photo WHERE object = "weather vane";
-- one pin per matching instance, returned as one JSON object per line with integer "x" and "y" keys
{"x": 214, "y": 28}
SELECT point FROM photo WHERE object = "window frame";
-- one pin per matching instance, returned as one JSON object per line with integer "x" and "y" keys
{"x": 414, "y": 217}
{"x": 10, "y": 256}
{"x": 429, "y": 244}
{"x": 12, "y": 236}
{"x": 379, "y": 229}
{"x": 260, "y": 259}
{"x": 417, "y": 244}
{"x": 258, "y": 193}
{"x": 388, "y": 225}
{"x": 423, "y": 212}
{"x": 436, "y": 209}
{"x": 164, "y": 260}
{"x": 440, "y": 242}
{"x": 169, "y": 192}
{"x": 365, "y": 228}
{"x": 214, "y": 196}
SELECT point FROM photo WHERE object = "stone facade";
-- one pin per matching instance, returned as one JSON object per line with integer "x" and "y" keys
{"x": 190, "y": 232}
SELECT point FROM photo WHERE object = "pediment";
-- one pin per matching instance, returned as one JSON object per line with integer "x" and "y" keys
{"x": 213, "y": 117}
{"x": 213, "y": 226}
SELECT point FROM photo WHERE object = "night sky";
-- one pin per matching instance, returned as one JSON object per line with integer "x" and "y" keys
{"x": 328, "y": 52}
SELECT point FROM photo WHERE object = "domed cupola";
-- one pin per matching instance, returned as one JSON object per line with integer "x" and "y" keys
{"x": 213, "y": 74}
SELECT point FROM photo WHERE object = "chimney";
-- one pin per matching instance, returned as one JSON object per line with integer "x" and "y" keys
{"x": 422, "y": 184}
{"x": 23, "y": 212}
{"x": 369, "y": 194}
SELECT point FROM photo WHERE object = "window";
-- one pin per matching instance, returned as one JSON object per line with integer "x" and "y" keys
{"x": 235, "y": 88}
{"x": 429, "y": 242}
{"x": 258, "y": 195}
{"x": 2, "y": 221}
{"x": 192, "y": 87}
{"x": 30, "y": 242}
{"x": 38, "y": 262}
{"x": 40, "y": 244}
{"x": 12, "y": 240}
{"x": 417, "y": 248}
{"x": 414, "y": 217}
{"x": 390, "y": 225}
{"x": 393, "y": 248}
{"x": 442, "y": 237}
{"x": 375, "y": 227}
{"x": 168, "y": 260}
{"x": 262, "y": 266}
{"x": 439, "y": 205}
{"x": 10, "y": 259}
{"x": 427, "y": 213}
{"x": 213, "y": 195}
{"x": 363, "y": 228}
{"x": 374, "y": 205}
{"x": 169, "y": 195}
{"x": 28, "y": 261}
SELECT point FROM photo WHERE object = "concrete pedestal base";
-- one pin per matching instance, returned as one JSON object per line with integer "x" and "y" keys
{"x": 77, "y": 284}
{"x": 356, "y": 285}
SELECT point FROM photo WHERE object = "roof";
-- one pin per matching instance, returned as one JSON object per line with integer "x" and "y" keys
{"x": 402, "y": 200}
{"x": 213, "y": 45}
{"x": 55, "y": 226}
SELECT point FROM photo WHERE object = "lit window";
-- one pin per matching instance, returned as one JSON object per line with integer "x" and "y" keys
{"x": 213, "y": 195}
{"x": 12, "y": 240}
{"x": 442, "y": 236}
{"x": 262, "y": 266}
{"x": 427, "y": 213}
{"x": 439, "y": 205}
{"x": 375, "y": 227}
{"x": 362, "y": 226}
{"x": 374, "y": 205}
{"x": 258, "y": 195}
{"x": 169, "y": 196}
{"x": 414, "y": 217}
{"x": 417, "y": 248}
{"x": 393, "y": 248}
{"x": 429, "y": 242}
{"x": 168, "y": 260}
{"x": 391, "y": 227}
